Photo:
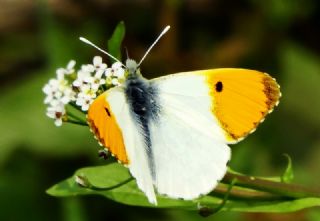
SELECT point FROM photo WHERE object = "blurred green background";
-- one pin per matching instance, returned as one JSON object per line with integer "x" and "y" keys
{"x": 280, "y": 37}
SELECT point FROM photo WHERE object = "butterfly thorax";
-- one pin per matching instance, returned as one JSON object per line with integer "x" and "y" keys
{"x": 142, "y": 97}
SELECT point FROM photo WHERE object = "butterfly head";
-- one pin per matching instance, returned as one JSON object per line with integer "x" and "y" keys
{"x": 132, "y": 67}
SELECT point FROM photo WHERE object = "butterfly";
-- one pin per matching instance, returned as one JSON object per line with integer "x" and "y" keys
{"x": 173, "y": 132}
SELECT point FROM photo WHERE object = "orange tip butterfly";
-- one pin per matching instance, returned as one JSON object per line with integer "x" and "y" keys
{"x": 173, "y": 132}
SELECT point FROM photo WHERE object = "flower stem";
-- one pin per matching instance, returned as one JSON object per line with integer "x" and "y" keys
{"x": 73, "y": 118}
{"x": 69, "y": 113}
{"x": 73, "y": 104}
{"x": 73, "y": 121}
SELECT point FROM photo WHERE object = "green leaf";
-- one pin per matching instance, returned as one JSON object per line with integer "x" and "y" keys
{"x": 114, "y": 182}
{"x": 106, "y": 180}
{"x": 114, "y": 43}
{"x": 288, "y": 176}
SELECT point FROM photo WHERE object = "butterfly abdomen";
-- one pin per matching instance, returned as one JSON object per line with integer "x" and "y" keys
{"x": 143, "y": 101}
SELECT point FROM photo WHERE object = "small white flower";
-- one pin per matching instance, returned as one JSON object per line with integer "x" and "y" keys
{"x": 116, "y": 70}
{"x": 53, "y": 91}
{"x": 85, "y": 97}
{"x": 66, "y": 71}
{"x": 87, "y": 68}
{"x": 56, "y": 112}
{"x": 60, "y": 81}
{"x": 71, "y": 65}
{"x": 81, "y": 76}
{"x": 58, "y": 90}
{"x": 96, "y": 80}
{"x": 63, "y": 84}
{"x": 68, "y": 95}
{"x": 98, "y": 64}
{"x": 50, "y": 89}
{"x": 84, "y": 102}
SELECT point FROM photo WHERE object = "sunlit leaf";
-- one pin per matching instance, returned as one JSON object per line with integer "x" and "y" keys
{"x": 114, "y": 43}
{"x": 113, "y": 181}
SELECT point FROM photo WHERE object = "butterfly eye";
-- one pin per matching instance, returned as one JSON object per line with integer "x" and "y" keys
{"x": 219, "y": 86}
{"x": 107, "y": 111}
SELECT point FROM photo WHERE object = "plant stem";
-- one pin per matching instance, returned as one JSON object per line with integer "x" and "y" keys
{"x": 277, "y": 188}
{"x": 243, "y": 193}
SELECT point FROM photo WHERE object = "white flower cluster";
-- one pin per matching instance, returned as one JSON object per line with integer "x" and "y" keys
{"x": 80, "y": 87}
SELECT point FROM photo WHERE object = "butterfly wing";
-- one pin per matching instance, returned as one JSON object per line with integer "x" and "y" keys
{"x": 199, "y": 113}
{"x": 241, "y": 99}
{"x": 198, "y": 118}
{"x": 105, "y": 127}
{"x": 110, "y": 120}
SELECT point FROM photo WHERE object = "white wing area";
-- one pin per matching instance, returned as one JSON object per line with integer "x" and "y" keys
{"x": 134, "y": 143}
{"x": 189, "y": 149}
{"x": 190, "y": 152}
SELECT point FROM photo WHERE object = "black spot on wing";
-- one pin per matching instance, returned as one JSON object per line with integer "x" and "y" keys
{"x": 219, "y": 86}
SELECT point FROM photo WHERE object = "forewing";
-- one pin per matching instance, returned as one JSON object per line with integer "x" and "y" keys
{"x": 241, "y": 99}
{"x": 110, "y": 119}
{"x": 104, "y": 125}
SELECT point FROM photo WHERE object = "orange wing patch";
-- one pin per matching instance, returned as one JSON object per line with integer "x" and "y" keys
{"x": 105, "y": 128}
{"x": 241, "y": 99}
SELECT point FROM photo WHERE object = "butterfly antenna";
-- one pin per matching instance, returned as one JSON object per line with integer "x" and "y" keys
{"x": 103, "y": 51}
{"x": 155, "y": 42}
{"x": 127, "y": 52}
